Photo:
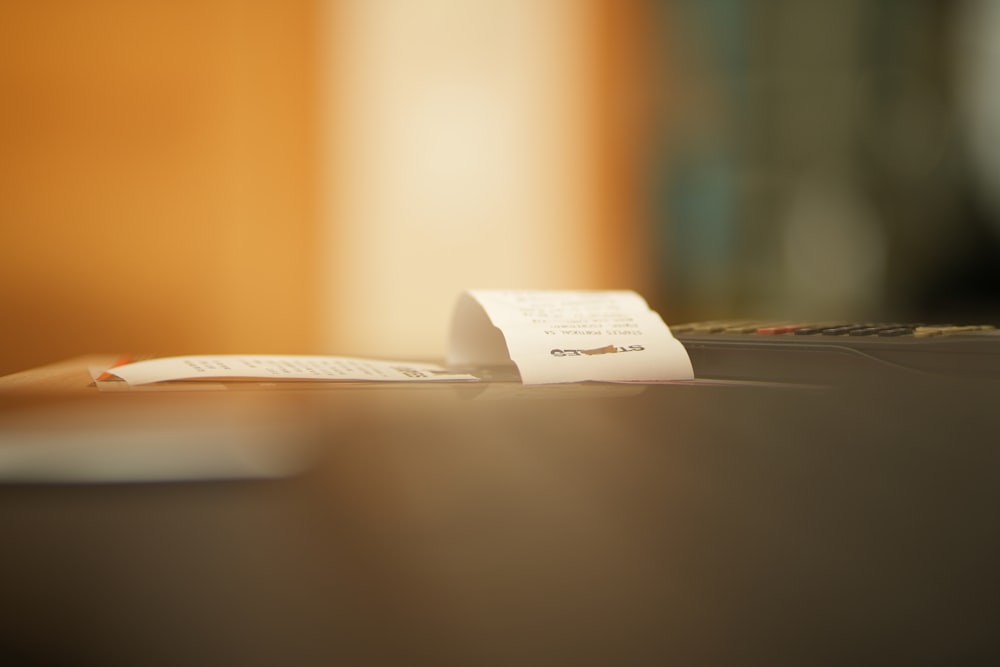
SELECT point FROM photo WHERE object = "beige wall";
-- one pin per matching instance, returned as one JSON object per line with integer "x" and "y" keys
{"x": 475, "y": 143}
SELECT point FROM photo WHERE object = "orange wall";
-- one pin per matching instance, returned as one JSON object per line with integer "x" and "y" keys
{"x": 156, "y": 177}
{"x": 161, "y": 166}
{"x": 621, "y": 129}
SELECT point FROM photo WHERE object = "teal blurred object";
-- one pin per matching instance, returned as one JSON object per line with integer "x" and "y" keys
{"x": 813, "y": 159}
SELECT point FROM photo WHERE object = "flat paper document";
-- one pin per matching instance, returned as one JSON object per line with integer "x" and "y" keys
{"x": 566, "y": 336}
{"x": 282, "y": 367}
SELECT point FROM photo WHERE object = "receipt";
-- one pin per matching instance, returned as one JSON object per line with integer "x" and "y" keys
{"x": 566, "y": 336}
{"x": 550, "y": 336}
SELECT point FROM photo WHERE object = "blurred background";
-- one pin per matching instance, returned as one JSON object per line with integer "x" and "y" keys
{"x": 310, "y": 176}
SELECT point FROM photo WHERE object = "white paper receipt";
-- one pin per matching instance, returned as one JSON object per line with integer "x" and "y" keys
{"x": 551, "y": 337}
{"x": 566, "y": 336}
{"x": 282, "y": 367}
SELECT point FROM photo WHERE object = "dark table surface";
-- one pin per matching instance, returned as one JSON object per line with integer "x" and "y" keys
{"x": 501, "y": 525}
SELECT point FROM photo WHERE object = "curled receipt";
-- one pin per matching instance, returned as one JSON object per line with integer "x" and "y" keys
{"x": 566, "y": 336}
{"x": 550, "y": 336}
